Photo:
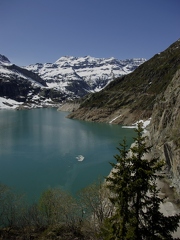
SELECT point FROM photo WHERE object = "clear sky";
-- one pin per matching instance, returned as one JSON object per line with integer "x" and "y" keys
{"x": 42, "y": 31}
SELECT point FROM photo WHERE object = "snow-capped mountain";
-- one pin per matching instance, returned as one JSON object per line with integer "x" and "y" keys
{"x": 68, "y": 78}
{"x": 92, "y": 73}
{"x": 9, "y": 72}
{"x": 19, "y": 85}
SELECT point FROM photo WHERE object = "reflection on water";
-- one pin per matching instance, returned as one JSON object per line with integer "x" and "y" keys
{"x": 38, "y": 149}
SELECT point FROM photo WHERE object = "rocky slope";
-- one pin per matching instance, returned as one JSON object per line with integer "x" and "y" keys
{"x": 165, "y": 128}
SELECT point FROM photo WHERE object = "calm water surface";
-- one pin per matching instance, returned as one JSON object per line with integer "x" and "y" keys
{"x": 38, "y": 149}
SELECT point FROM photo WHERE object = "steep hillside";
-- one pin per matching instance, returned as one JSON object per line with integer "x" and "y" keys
{"x": 165, "y": 128}
{"x": 132, "y": 97}
{"x": 152, "y": 90}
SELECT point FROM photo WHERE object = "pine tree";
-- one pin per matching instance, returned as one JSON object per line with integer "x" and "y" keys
{"x": 143, "y": 174}
{"x": 135, "y": 196}
{"x": 118, "y": 183}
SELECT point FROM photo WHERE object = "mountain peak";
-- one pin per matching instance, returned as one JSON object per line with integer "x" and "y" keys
{"x": 65, "y": 58}
{"x": 4, "y": 59}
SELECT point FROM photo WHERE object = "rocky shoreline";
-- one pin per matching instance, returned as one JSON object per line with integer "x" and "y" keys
{"x": 123, "y": 116}
{"x": 69, "y": 107}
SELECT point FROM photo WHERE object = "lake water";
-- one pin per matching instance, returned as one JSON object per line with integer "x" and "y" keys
{"x": 38, "y": 150}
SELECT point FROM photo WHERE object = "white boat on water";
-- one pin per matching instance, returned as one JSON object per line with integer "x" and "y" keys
{"x": 80, "y": 158}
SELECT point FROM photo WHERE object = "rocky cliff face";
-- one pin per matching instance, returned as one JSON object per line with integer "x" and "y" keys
{"x": 165, "y": 128}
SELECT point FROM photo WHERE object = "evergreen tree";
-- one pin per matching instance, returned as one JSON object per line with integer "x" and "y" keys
{"x": 135, "y": 196}
{"x": 118, "y": 183}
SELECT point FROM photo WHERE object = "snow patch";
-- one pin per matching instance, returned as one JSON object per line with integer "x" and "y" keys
{"x": 8, "y": 103}
{"x": 144, "y": 123}
{"x": 114, "y": 119}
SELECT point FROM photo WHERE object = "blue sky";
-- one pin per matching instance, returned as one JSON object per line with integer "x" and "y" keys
{"x": 34, "y": 31}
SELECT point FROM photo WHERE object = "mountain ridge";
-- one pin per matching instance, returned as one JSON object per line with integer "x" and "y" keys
{"x": 23, "y": 87}
{"x": 68, "y": 78}
{"x": 95, "y": 73}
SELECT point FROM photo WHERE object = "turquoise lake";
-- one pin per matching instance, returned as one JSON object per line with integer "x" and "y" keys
{"x": 38, "y": 150}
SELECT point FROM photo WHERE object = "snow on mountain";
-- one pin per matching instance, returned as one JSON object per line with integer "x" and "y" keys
{"x": 96, "y": 73}
{"x": 19, "y": 86}
{"x": 52, "y": 83}
{"x": 9, "y": 103}
{"x": 9, "y": 71}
